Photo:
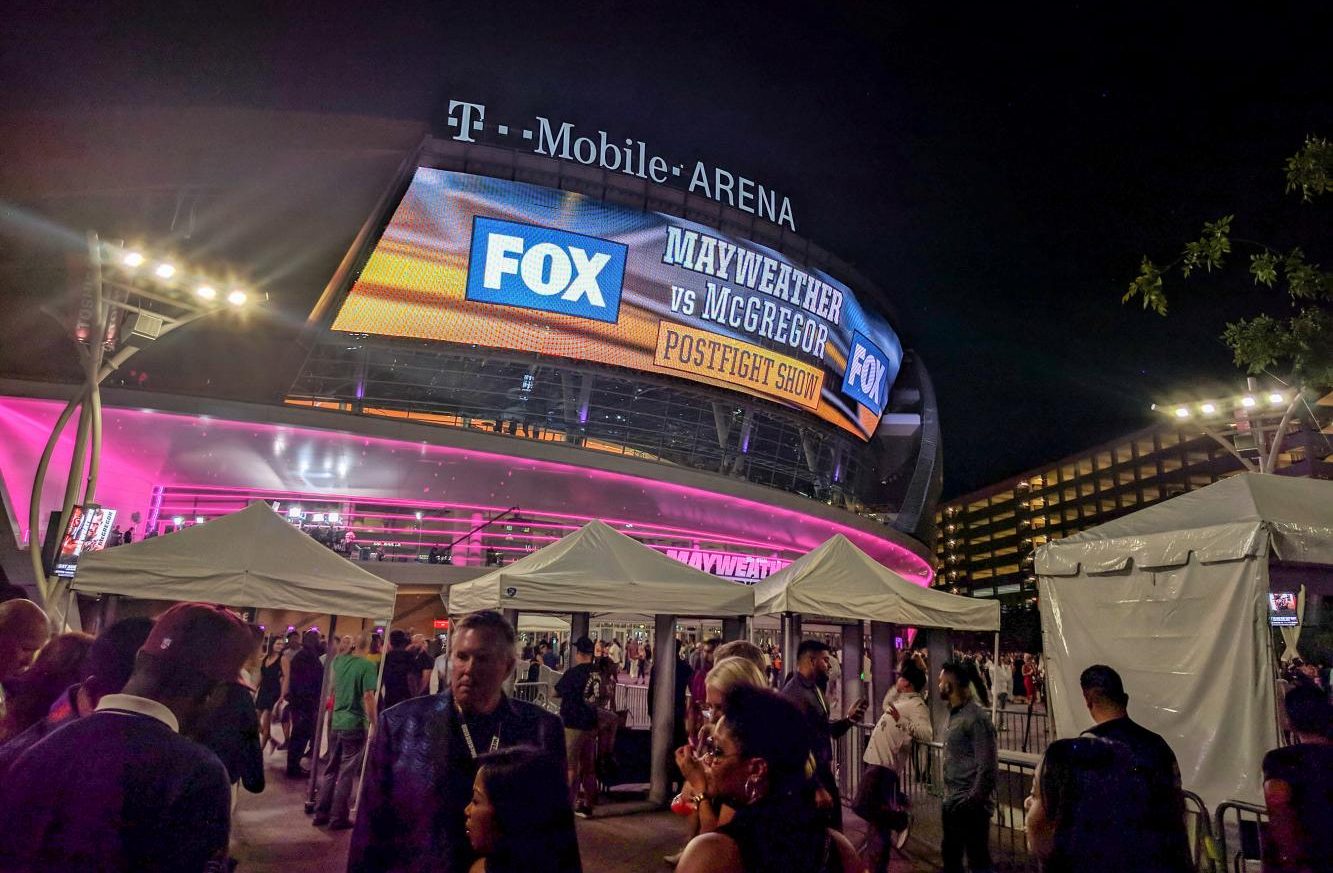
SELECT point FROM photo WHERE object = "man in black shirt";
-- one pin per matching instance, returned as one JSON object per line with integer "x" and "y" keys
{"x": 400, "y": 676}
{"x": 1298, "y": 787}
{"x": 578, "y": 691}
{"x": 1163, "y": 839}
{"x": 123, "y": 789}
{"x": 805, "y": 688}
{"x": 422, "y": 663}
{"x": 305, "y": 675}
{"x": 423, "y": 759}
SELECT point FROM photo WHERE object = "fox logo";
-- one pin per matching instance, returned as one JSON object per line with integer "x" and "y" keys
{"x": 546, "y": 269}
{"x": 866, "y": 378}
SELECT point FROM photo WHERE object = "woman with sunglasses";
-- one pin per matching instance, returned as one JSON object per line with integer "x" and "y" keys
{"x": 756, "y": 764}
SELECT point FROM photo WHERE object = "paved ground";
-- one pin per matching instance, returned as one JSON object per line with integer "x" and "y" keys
{"x": 272, "y": 834}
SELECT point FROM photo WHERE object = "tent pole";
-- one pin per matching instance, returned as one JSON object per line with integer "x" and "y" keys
{"x": 663, "y": 720}
{"x": 322, "y": 718}
{"x": 994, "y": 706}
{"x": 370, "y": 734}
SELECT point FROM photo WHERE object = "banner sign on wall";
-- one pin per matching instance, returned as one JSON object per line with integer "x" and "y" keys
{"x": 488, "y": 262}
{"x": 88, "y": 530}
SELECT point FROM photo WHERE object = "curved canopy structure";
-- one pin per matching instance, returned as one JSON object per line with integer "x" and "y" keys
{"x": 598, "y": 569}
{"x": 248, "y": 558}
{"x": 837, "y": 580}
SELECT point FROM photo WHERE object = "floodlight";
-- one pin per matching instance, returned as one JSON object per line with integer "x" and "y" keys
{"x": 207, "y": 292}
{"x": 420, "y": 514}
{"x": 132, "y": 259}
{"x": 237, "y": 297}
{"x": 164, "y": 270}
{"x": 1182, "y": 412}
{"x": 178, "y": 520}
{"x": 1208, "y": 408}
{"x": 198, "y": 519}
{"x": 1275, "y": 398}
{"x": 1247, "y": 401}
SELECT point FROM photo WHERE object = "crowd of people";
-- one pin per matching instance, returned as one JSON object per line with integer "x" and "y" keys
{"x": 126, "y": 751}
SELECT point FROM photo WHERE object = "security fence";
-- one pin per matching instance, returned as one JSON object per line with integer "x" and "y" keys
{"x": 1237, "y": 832}
{"x": 1213, "y": 848}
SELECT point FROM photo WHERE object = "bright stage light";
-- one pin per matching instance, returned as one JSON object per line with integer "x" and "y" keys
{"x": 207, "y": 292}
{"x": 198, "y": 519}
{"x": 178, "y": 521}
{"x": 1208, "y": 408}
{"x": 1182, "y": 412}
{"x": 164, "y": 271}
{"x": 1247, "y": 401}
{"x": 237, "y": 297}
{"x": 132, "y": 260}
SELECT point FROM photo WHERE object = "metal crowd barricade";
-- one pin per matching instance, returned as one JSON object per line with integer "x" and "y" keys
{"x": 922, "y": 779}
{"x": 1237, "y": 831}
{"x": 634, "y": 699}
{"x": 1199, "y": 826}
{"x": 1023, "y": 730}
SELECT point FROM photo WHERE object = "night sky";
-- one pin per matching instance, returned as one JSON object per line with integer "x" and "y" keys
{"x": 997, "y": 170}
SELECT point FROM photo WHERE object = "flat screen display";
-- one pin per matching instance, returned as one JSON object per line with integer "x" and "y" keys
{"x": 488, "y": 262}
{"x": 1282, "y": 609}
{"x": 87, "y": 531}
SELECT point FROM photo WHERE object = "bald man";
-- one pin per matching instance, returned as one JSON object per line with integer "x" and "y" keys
{"x": 23, "y": 630}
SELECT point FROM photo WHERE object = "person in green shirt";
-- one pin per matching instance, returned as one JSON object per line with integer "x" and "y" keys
{"x": 354, "y": 679}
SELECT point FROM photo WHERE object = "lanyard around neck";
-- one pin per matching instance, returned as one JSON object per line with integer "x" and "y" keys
{"x": 467, "y": 736}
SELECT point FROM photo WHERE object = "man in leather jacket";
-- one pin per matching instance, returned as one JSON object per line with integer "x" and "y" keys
{"x": 423, "y": 758}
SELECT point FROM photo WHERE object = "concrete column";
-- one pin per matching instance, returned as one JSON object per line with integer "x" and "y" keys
{"x": 791, "y": 640}
{"x": 852, "y": 687}
{"x": 883, "y": 661}
{"x": 578, "y": 627}
{"x": 664, "y": 708}
{"x": 938, "y": 650}
{"x": 733, "y": 629}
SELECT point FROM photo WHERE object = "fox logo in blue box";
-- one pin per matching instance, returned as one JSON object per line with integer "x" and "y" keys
{"x": 545, "y": 269}
{"x": 867, "y": 375}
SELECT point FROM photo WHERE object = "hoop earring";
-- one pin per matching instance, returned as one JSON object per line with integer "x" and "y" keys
{"x": 752, "y": 789}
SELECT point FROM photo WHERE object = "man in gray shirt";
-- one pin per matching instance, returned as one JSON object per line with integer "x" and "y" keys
{"x": 970, "y": 766}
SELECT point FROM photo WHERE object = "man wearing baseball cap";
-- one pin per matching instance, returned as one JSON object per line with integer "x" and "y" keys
{"x": 123, "y": 788}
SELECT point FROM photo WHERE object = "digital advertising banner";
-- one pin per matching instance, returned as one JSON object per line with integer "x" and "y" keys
{"x": 488, "y": 262}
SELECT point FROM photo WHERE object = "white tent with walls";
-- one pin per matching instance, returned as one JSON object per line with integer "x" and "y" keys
{"x": 1175, "y": 598}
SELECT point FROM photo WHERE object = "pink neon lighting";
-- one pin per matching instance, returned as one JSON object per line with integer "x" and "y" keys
{"x": 140, "y": 444}
{"x": 639, "y": 525}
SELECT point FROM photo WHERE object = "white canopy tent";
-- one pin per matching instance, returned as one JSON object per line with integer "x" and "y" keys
{"x": 248, "y": 558}
{"x": 253, "y": 557}
{"x": 838, "y": 580}
{"x": 1174, "y": 597}
{"x": 598, "y": 569}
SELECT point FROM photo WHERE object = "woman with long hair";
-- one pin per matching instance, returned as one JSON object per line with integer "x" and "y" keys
{"x": 270, "y": 689}
{"x": 520, "y": 819}
{"x": 62, "y": 662}
{"x": 756, "y": 763}
{"x": 693, "y": 801}
{"x": 1085, "y": 808}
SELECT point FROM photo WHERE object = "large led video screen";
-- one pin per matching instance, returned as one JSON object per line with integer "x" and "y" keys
{"x": 488, "y": 262}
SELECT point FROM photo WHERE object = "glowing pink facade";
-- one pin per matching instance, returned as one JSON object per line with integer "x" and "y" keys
{"x": 173, "y": 461}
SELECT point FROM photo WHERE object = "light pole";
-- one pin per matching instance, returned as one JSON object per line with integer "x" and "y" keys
{"x": 1247, "y": 412}
{"x": 118, "y": 317}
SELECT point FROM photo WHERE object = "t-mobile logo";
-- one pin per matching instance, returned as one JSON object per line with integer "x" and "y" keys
{"x": 467, "y": 117}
